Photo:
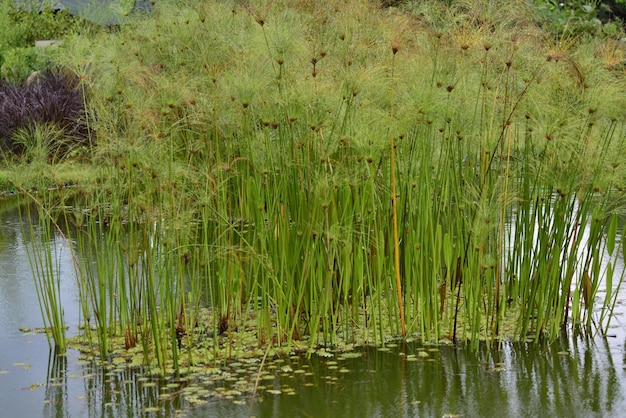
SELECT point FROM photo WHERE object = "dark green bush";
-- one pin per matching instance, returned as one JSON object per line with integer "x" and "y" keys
{"x": 32, "y": 24}
{"x": 20, "y": 26}
{"x": 577, "y": 17}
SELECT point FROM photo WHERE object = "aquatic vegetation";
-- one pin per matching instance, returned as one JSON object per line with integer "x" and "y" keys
{"x": 329, "y": 174}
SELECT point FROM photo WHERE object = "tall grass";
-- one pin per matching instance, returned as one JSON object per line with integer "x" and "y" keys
{"x": 47, "y": 242}
{"x": 338, "y": 174}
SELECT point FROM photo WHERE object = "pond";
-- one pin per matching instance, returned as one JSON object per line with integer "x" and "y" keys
{"x": 572, "y": 377}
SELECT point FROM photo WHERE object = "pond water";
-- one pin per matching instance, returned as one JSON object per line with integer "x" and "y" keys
{"x": 573, "y": 377}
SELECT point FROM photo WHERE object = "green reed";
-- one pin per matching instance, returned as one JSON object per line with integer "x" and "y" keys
{"x": 49, "y": 236}
{"x": 348, "y": 190}
{"x": 43, "y": 258}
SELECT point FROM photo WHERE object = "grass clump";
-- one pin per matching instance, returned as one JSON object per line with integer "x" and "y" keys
{"x": 245, "y": 163}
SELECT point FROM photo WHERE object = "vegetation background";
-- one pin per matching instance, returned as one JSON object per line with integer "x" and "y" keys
{"x": 336, "y": 172}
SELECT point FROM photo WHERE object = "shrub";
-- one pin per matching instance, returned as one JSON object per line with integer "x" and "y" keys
{"x": 50, "y": 98}
{"x": 579, "y": 17}
{"x": 21, "y": 24}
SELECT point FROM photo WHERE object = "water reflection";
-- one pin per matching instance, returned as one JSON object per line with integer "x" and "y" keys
{"x": 570, "y": 378}
{"x": 91, "y": 390}
{"x": 574, "y": 378}
{"x": 19, "y": 306}
{"x": 15, "y": 277}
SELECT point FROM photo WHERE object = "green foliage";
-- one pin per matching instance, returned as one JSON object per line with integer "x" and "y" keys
{"x": 31, "y": 23}
{"x": 245, "y": 157}
{"x": 21, "y": 24}
{"x": 571, "y": 18}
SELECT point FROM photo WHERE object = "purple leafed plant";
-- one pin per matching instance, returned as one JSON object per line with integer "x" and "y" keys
{"x": 50, "y": 97}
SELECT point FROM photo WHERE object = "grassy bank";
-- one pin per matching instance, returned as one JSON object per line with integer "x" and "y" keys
{"x": 340, "y": 173}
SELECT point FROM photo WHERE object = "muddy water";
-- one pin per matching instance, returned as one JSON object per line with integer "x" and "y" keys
{"x": 574, "y": 377}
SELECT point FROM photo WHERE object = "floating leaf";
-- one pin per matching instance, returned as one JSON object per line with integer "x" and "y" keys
{"x": 34, "y": 386}
{"x": 350, "y": 355}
